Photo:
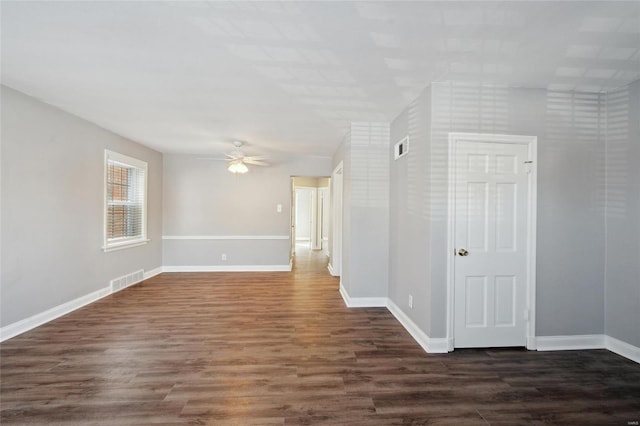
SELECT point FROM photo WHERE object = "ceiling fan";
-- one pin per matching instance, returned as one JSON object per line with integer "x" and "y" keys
{"x": 237, "y": 161}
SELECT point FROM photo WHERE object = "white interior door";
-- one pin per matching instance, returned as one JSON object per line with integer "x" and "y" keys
{"x": 315, "y": 239}
{"x": 491, "y": 247}
{"x": 304, "y": 215}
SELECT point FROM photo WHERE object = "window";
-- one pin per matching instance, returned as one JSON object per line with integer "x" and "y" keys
{"x": 125, "y": 223}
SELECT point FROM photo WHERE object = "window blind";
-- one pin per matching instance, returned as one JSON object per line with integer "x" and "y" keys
{"x": 125, "y": 218}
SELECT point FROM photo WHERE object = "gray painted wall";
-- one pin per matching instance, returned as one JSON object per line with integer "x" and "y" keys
{"x": 569, "y": 126}
{"x": 343, "y": 154}
{"x": 365, "y": 154}
{"x": 622, "y": 279}
{"x": 570, "y": 239}
{"x": 52, "y": 208}
{"x": 410, "y": 227}
{"x": 370, "y": 209}
{"x": 201, "y": 198}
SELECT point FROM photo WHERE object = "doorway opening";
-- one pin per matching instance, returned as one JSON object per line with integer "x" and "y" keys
{"x": 310, "y": 214}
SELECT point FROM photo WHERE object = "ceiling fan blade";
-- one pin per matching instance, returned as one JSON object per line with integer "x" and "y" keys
{"x": 255, "y": 157}
{"x": 254, "y": 162}
{"x": 211, "y": 159}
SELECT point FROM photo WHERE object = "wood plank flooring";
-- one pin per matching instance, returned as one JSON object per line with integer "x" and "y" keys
{"x": 281, "y": 348}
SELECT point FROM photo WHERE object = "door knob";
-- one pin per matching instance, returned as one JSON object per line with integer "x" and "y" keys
{"x": 463, "y": 252}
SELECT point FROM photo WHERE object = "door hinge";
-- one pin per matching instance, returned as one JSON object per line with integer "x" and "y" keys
{"x": 527, "y": 166}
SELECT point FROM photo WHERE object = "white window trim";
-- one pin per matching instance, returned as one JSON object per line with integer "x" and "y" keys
{"x": 123, "y": 243}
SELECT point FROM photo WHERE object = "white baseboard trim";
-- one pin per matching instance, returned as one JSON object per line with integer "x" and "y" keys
{"x": 430, "y": 345}
{"x": 588, "y": 341}
{"x": 362, "y": 302}
{"x": 152, "y": 273}
{"x": 569, "y": 343}
{"x": 22, "y": 326}
{"x": 622, "y": 348}
{"x": 330, "y": 268}
{"x": 228, "y": 268}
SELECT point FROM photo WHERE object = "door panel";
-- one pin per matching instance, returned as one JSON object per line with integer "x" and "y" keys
{"x": 506, "y": 219}
{"x": 476, "y": 216}
{"x": 476, "y": 303}
{"x": 490, "y": 224}
{"x": 506, "y": 164}
{"x": 505, "y": 301}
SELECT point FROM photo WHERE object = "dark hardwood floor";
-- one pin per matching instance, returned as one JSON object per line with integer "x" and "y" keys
{"x": 281, "y": 348}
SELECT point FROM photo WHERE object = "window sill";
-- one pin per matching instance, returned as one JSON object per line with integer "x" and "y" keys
{"x": 124, "y": 245}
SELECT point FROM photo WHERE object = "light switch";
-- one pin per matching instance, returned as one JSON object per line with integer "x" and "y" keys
{"x": 279, "y": 208}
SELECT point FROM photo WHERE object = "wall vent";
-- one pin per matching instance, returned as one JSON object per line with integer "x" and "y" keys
{"x": 401, "y": 148}
{"x": 125, "y": 281}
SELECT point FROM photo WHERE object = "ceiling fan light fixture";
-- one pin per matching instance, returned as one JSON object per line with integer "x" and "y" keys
{"x": 238, "y": 167}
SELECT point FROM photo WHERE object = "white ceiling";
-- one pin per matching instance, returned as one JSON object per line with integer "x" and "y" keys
{"x": 290, "y": 76}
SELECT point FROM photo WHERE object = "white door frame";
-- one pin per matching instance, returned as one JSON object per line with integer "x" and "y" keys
{"x": 323, "y": 201}
{"x": 337, "y": 187}
{"x": 292, "y": 222}
{"x": 532, "y": 143}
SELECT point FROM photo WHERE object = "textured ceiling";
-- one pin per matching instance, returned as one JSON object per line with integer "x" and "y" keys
{"x": 288, "y": 77}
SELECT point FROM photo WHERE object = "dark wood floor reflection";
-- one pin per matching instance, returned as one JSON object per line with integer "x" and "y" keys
{"x": 281, "y": 348}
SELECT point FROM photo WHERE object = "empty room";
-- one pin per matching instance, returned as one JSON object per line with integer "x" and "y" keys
{"x": 301, "y": 212}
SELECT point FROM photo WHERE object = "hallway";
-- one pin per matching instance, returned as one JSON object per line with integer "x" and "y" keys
{"x": 309, "y": 261}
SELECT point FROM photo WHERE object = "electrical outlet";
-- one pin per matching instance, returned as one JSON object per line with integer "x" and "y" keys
{"x": 411, "y": 301}
{"x": 224, "y": 256}
{"x": 279, "y": 208}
